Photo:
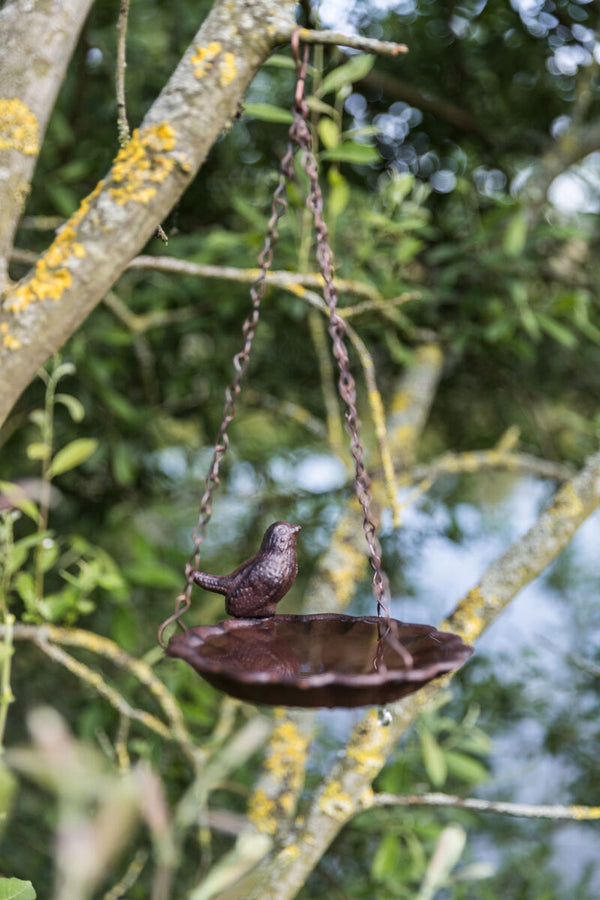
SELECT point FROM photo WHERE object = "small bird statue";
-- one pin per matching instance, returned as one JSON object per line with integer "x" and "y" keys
{"x": 257, "y": 586}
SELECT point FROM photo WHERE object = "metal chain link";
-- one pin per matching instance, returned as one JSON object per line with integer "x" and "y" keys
{"x": 300, "y": 134}
{"x": 240, "y": 362}
{"x": 299, "y": 137}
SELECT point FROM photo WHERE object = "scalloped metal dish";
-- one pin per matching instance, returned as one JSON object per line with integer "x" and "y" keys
{"x": 317, "y": 660}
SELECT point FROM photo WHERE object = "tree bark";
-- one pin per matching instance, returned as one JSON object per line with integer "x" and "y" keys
{"x": 36, "y": 43}
{"x": 147, "y": 178}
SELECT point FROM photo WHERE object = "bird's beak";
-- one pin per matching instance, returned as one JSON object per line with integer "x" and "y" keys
{"x": 296, "y": 528}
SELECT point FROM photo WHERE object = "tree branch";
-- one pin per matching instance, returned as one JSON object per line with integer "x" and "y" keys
{"x": 147, "y": 178}
{"x": 557, "y": 813}
{"x": 37, "y": 43}
{"x": 278, "y": 278}
{"x": 367, "y": 45}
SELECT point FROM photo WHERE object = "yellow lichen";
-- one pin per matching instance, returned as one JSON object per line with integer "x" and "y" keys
{"x": 567, "y": 503}
{"x": 298, "y": 289}
{"x": 228, "y": 69}
{"x": 285, "y": 761}
{"x": 204, "y": 58}
{"x": 585, "y": 812}
{"x": 467, "y": 619}
{"x": 262, "y": 812}
{"x": 51, "y": 276}
{"x": 289, "y": 853}
{"x": 18, "y": 127}
{"x": 368, "y": 747}
{"x": 142, "y": 163}
{"x": 11, "y": 342}
{"x": 287, "y": 755}
{"x": 336, "y": 803}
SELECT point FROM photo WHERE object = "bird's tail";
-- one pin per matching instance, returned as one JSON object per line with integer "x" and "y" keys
{"x": 215, "y": 583}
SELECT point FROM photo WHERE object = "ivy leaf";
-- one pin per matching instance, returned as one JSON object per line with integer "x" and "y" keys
{"x": 72, "y": 455}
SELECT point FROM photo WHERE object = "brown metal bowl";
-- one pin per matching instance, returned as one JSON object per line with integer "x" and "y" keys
{"x": 318, "y": 660}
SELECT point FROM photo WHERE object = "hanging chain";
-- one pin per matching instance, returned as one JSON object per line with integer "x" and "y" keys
{"x": 300, "y": 133}
{"x": 240, "y": 362}
{"x": 299, "y": 136}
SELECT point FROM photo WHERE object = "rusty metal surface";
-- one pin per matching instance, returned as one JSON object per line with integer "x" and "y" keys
{"x": 318, "y": 660}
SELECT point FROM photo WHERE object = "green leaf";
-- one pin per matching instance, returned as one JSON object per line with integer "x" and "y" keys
{"x": 557, "y": 331}
{"x": 15, "y": 889}
{"x": 25, "y": 587}
{"x": 266, "y": 112}
{"x": 7, "y": 790}
{"x": 17, "y": 497}
{"x": 433, "y": 757}
{"x": 467, "y": 768}
{"x": 62, "y": 370}
{"x": 515, "y": 235}
{"x": 38, "y": 417}
{"x": 385, "y": 860}
{"x": 75, "y": 407}
{"x": 47, "y": 554}
{"x": 352, "y": 71}
{"x": 319, "y": 106}
{"x": 280, "y": 62}
{"x": 350, "y": 152}
{"x": 339, "y": 193}
{"x": 72, "y": 455}
{"x": 329, "y": 133}
{"x": 36, "y": 450}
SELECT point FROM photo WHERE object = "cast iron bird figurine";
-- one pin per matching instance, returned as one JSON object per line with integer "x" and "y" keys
{"x": 256, "y": 587}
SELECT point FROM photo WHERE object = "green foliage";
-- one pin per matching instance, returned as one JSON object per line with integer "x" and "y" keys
{"x": 15, "y": 889}
{"x": 101, "y": 482}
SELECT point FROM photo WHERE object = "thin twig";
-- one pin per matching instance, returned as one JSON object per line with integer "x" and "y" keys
{"x": 368, "y": 45}
{"x": 176, "y": 729}
{"x": 479, "y": 460}
{"x": 84, "y": 673}
{"x": 122, "y": 123}
{"x": 542, "y": 811}
{"x": 287, "y": 280}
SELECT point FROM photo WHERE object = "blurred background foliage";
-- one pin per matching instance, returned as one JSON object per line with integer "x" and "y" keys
{"x": 464, "y": 175}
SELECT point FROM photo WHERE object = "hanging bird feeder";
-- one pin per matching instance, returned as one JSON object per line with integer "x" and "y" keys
{"x": 302, "y": 660}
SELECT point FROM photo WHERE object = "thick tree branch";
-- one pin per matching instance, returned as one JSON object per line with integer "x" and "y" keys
{"x": 37, "y": 43}
{"x": 148, "y": 176}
